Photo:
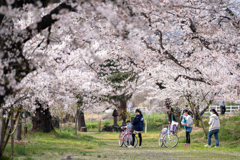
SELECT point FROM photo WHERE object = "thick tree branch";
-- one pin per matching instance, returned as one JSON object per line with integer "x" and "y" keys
{"x": 159, "y": 33}
{"x": 235, "y": 21}
{"x": 203, "y": 41}
{"x": 193, "y": 79}
{"x": 46, "y": 21}
{"x": 21, "y": 3}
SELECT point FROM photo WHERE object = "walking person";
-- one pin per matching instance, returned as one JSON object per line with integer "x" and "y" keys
{"x": 222, "y": 107}
{"x": 138, "y": 128}
{"x": 213, "y": 128}
{"x": 187, "y": 122}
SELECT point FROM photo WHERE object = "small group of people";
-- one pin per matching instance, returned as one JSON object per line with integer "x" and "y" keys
{"x": 214, "y": 127}
{"x": 187, "y": 122}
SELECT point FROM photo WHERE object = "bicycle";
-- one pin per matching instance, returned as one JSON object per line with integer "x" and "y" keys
{"x": 169, "y": 139}
{"x": 126, "y": 139}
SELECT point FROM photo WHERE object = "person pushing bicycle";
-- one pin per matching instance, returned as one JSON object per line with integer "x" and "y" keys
{"x": 138, "y": 127}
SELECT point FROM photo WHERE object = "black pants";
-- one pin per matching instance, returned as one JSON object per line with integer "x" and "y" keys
{"x": 223, "y": 110}
{"x": 140, "y": 139}
{"x": 188, "y": 137}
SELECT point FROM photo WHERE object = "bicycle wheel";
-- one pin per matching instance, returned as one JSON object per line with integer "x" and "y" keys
{"x": 160, "y": 139}
{"x": 170, "y": 140}
{"x": 127, "y": 140}
{"x": 120, "y": 139}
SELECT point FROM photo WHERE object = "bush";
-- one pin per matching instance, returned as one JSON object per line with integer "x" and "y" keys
{"x": 5, "y": 158}
{"x": 91, "y": 125}
{"x": 106, "y": 123}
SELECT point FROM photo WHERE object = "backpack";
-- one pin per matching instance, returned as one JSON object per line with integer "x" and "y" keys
{"x": 173, "y": 128}
{"x": 164, "y": 131}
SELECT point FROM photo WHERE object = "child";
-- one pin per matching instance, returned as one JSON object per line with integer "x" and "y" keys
{"x": 187, "y": 122}
{"x": 138, "y": 127}
{"x": 127, "y": 129}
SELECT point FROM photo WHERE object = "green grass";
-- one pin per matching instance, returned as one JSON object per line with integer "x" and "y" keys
{"x": 94, "y": 145}
{"x": 230, "y": 130}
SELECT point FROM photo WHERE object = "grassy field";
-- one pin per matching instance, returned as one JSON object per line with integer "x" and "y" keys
{"x": 154, "y": 120}
{"x": 94, "y": 145}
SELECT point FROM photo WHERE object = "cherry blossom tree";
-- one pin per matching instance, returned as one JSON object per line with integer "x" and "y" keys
{"x": 189, "y": 47}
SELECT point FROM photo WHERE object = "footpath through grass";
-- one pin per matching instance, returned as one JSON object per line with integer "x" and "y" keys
{"x": 93, "y": 145}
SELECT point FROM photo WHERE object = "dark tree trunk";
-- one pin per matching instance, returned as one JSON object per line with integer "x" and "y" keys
{"x": 81, "y": 120}
{"x": 170, "y": 109}
{"x": 55, "y": 122}
{"x": 197, "y": 121}
{"x": 196, "y": 115}
{"x": 12, "y": 134}
{"x": 76, "y": 123}
{"x": 2, "y": 129}
{"x": 122, "y": 109}
{"x": 68, "y": 118}
{"x": 19, "y": 131}
{"x": 41, "y": 121}
{"x": 25, "y": 130}
{"x": 177, "y": 114}
{"x": 171, "y": 115}
{"x": 25, "y": 124}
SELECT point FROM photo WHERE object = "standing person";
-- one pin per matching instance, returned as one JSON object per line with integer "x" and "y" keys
{"x": 138, "y": 128}
{"x": 187, "y": 122}
{"x": 222, "y": 107}
{"x": 213, "y": 128}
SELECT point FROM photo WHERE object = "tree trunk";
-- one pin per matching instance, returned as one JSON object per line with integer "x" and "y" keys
{"x": 122, "y": 109}
{"x": 81, "y": 120}
{"x": 25, "y": 130}
{"x": 83, "y": 129}
{"x": 60, "y": 125}
{"x": 197, "y": 124}
{"x": 12, "y": 134}
{"x": 2, "y": 129}
{"x": 171, "y": 115}
{"x": 205, "y": 133}
{"x": 76, "y": 122}
{"x": 41, "y": 121}
{"x": 55, "y": 122}
{"x": 99, "y": 126}
{"x": 198, "y": 116}
{"x": 25, "y": 124}
{"x": 19, "y": 131}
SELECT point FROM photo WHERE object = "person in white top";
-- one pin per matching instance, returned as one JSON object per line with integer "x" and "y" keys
{"x": 213, "y": 128}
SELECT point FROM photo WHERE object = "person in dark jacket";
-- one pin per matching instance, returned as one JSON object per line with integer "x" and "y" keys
{"x": 222, "y": 107}
{"x": 138, "y": 127}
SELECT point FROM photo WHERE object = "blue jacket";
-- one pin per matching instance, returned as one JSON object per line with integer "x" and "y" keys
{"x": 138, "y": 123}
{"x": 189, "y": 127}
